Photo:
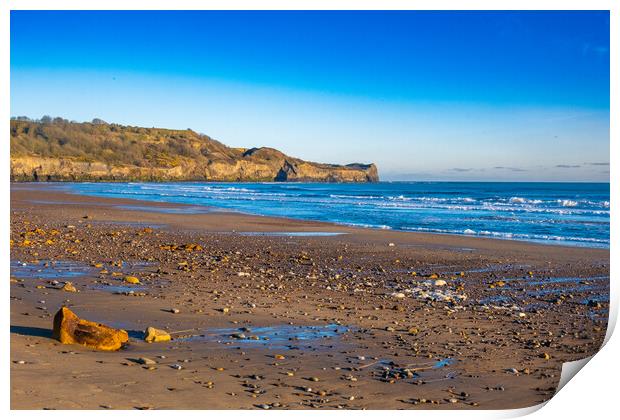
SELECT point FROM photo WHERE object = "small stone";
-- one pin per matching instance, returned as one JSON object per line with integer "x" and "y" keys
{"x": 176, "y": 366}
{"x": 175, "y": 310}
{"x": 68, "y": 287}
{"x": 154, "y": 335}
{"x": 544, "y": 356}
{"x": 131, "y": 279}
{"x": 146, "y": 361}
{"x": 440, "y": 283}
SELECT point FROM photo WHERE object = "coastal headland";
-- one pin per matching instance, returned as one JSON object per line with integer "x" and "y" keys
{"x": 60, "y": 150}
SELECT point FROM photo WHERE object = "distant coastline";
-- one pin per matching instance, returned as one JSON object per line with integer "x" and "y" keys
{"x": 55, "y": 149}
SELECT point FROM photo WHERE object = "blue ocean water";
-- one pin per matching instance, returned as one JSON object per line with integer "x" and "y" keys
{"x": 561, "y": 213}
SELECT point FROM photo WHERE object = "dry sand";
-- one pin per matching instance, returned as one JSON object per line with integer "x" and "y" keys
{"x": 347, "y": 321}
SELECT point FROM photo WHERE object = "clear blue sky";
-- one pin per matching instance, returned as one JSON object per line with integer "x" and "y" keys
{"x": 425, "y": 95}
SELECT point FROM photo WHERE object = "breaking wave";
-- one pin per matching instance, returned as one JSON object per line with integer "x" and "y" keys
{"x": 570, "y": 214}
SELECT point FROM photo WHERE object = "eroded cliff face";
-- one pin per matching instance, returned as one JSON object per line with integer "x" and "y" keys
{"x": 107, "y": 152}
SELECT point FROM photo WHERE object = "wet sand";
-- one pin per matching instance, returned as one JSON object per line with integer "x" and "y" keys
{"x": 343, "y": 318}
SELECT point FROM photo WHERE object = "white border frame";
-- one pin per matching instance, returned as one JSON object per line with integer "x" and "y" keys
{"x": 592, "y": 395}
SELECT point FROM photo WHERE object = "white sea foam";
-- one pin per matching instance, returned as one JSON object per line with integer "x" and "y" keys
{"x": 568, "y": 203}
{"x": 571, "y": 216}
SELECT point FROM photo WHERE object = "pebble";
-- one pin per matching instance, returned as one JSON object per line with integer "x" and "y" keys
{"x": 131, "y": 280}
{"x": 69, "y": 287}
{"x": 146, "y": 361}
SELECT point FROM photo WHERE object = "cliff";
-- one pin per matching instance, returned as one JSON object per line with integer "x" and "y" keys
{"x": 58, "y": 150}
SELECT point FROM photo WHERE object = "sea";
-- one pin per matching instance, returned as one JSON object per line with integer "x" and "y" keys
{"x": 574, "y": 214}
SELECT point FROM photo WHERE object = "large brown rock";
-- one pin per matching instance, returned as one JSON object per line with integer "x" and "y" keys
{"x": 70, "y": 329}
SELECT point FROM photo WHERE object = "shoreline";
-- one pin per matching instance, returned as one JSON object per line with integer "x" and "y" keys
{"x": 423, "y": 236}
{"x": 355, "y": 312}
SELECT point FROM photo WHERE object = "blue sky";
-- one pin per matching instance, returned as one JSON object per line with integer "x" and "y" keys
{"x": 425, "y": 95}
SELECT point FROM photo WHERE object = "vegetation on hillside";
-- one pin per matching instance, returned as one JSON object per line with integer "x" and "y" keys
{"x": 54, "y": 149}
{"x": 113, "y": 144}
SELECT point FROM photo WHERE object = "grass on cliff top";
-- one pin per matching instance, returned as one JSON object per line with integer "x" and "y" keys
{"x": 114, "y": 144}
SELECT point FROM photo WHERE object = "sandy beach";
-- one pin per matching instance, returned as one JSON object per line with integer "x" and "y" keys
{"x": 286, "y": 314}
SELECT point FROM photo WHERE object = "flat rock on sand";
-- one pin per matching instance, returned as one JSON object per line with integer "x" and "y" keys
{"x": 69, "y": 329}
